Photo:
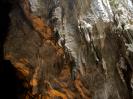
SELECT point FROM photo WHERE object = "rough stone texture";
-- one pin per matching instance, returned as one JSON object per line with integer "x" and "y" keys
{"x": 94, "y": 63}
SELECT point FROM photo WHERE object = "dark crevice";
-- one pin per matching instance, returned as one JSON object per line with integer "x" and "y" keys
{"x": 10, "y": 83}
{"x": 127, "y": 76}
{"x": 4, "y": 23}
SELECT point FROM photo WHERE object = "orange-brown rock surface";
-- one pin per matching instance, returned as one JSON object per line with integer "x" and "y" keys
{"x": 68, "y": 49}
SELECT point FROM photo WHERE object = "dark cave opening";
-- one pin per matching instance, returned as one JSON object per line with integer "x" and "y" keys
{"x": 10, "y": 83}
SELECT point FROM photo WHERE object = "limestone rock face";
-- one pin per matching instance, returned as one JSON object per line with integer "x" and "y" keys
{"x": 72, "y": 49}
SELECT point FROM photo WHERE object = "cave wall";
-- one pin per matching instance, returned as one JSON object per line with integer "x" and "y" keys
{"x": 72, "y": 49}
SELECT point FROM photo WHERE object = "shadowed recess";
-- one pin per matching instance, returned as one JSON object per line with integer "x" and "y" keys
{"x": 10, "y": 83}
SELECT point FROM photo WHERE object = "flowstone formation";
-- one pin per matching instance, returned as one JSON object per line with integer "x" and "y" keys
{"x": 72, "y": 49}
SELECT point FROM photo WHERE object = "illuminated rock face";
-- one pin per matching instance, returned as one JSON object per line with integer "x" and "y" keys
{"x": 72, "y": 49}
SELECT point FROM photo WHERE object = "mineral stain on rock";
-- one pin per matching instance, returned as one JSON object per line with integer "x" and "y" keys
{"x": 67, "y": 49}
